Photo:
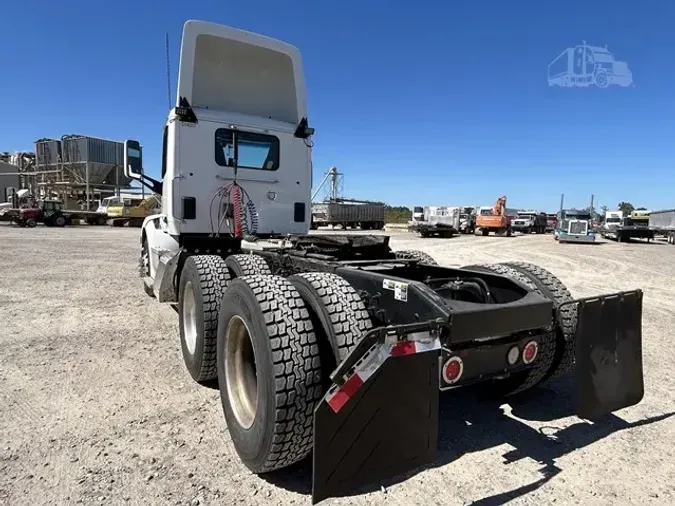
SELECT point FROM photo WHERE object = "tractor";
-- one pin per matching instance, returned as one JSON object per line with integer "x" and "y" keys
{"x": 338, "y": 346}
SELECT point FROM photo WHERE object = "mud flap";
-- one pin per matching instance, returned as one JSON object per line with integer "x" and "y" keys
{"x": 379, "y": 423}
{"x": 609, "y": 353}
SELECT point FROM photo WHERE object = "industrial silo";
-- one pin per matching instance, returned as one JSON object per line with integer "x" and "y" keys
{"x": 98, "y": 161}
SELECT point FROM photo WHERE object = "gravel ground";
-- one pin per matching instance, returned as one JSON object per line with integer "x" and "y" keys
{"x": 97, "y": 408}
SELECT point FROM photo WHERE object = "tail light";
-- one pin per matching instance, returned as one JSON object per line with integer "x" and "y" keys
{"x": 452, "y": 370}
{"x": 530, "y": 352}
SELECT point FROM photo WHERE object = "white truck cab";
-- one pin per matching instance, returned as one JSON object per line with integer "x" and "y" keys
{"x": 240, "y": 116}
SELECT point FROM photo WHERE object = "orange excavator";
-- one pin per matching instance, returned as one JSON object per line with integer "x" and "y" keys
{"x": 494, "y": 220}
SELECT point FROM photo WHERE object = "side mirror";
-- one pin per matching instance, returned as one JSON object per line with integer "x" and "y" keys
{"x": 133, "y": 160}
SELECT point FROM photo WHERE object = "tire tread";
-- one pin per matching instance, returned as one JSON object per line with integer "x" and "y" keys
{"x": 213, "y": 280}
{"x": 345, "y": 309}
{"x": 296, "y": 365}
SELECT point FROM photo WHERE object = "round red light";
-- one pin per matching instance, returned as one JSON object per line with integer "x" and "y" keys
{"x": 452, "y": 370}
{"x": 530, "y": 352}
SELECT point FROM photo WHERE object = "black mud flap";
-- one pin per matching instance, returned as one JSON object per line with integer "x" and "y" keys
{"x": 609, "y": 353}
{"x": 378, "y": 424}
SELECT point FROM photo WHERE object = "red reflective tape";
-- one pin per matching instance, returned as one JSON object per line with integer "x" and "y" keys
{"x": 403, "y": 348}
{"x": 345, "y": 392}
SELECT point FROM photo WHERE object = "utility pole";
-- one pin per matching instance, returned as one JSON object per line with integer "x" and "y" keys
{"x": 562, "y": 200}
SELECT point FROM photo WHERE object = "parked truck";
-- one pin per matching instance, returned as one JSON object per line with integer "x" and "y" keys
{"x": 663, "y": 223}
{"x": 348, "y": 213}
{"x": 527, "y": 222}
{"x": 441, "y": 221}
{"x": 551, "y": 221}
{"x": 574, "y": 225}
{"x": 467, "y": 220}
{"x": 338, "y": 345}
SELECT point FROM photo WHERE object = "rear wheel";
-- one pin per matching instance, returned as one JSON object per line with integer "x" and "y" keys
{"x": 30, "y": 223}
{"x": 269, "y": 371}
{"x": 144, "y": 267}
{"x": 413, "y": 254}
{"x": 203, "y": 281}
{"x": 521, "y": 381}
{"x": 59, "y": 221}
{"x": 245, "y": 265}
{"x": 337, "y": 310}
{"x": 552, "y": 288}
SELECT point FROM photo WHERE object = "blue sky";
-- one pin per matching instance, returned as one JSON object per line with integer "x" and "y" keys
{"x": 415, "y": 102}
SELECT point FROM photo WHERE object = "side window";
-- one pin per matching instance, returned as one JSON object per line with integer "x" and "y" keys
{"x": 254, "y": 151}
{"x": 165, "y": 144}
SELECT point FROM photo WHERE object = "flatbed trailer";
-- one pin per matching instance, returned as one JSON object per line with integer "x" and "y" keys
{"x": 437, "y": 229}
{"x": 625, "y": 233}
{"x": 89, "y": 217}
{"x": 338, "y": 346}
{"x": 51, "y": 213}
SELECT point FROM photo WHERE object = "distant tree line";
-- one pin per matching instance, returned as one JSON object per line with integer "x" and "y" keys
{"x": 397, "y": 214}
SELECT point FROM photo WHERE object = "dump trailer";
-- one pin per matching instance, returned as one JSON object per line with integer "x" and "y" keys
{"x": 338, "y": 346}
{"x": 663, "y": 223}
{"x": 441, "y": 221}
{"x": 349, "y": 214}
{"x": 551, "y": 221}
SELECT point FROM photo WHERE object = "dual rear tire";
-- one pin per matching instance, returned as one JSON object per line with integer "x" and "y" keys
{"x": 557, "y": 348}
{"x": 271, "y": 342}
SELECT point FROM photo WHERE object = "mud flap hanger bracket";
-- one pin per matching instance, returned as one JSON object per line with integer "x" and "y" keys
{"x": 380, "y": 334}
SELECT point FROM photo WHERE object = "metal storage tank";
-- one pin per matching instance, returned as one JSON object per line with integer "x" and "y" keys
{"x": 102, "y": 159}
{"x": 6, "y": 180}
{"x": 47, "y": 152}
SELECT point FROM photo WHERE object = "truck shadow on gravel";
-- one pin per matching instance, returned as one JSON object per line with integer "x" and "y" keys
{"x": 469, "y": 421}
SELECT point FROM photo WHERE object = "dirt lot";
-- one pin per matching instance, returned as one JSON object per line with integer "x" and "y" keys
{"x": 96, "y": 407}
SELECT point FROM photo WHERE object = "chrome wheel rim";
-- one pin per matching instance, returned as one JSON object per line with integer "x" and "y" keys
{"x": 190, "y": 318}
{"x": 240, "y": 372}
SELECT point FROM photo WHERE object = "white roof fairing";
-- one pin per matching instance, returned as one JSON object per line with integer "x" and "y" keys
{"x": 228, "y": 69}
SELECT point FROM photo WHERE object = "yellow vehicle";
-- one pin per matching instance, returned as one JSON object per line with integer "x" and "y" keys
{"x": 132, "y": 211}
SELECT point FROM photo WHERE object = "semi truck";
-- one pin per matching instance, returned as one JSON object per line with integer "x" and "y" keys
{"x": 348, "y": 213}
{"x": 574, "y": 225}
{"x": 441, "y": 221}
{"x": 338, "y": 346}
{"x": 663, "y": 223}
